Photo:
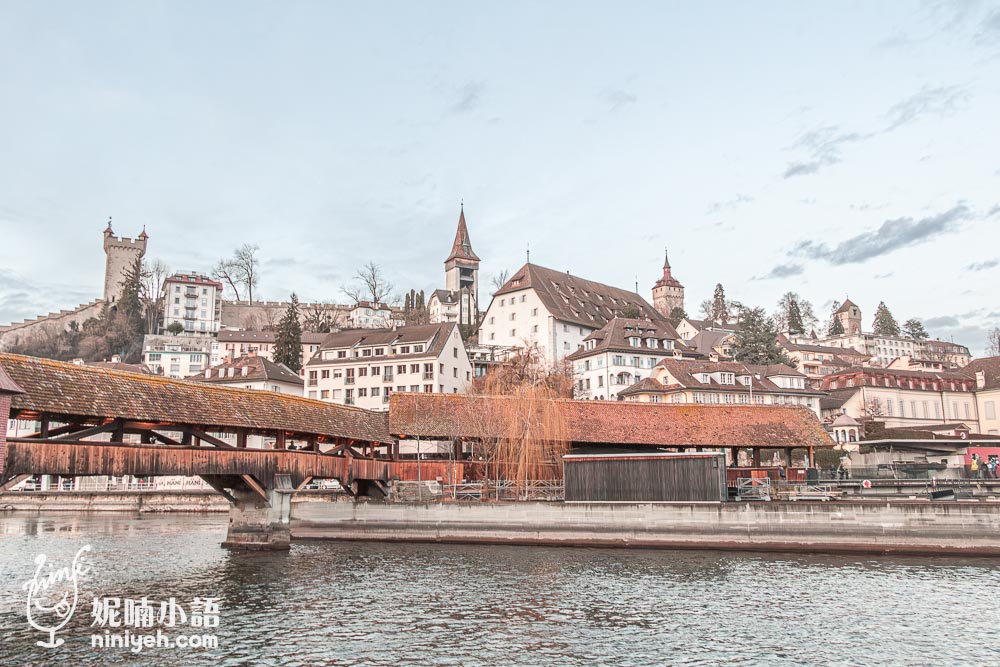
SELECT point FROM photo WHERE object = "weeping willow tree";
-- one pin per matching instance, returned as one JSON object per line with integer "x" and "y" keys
{"x": 522, "y": 429}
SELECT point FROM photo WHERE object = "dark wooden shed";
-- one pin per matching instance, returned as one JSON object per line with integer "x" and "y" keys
{"x": 647, "y": 477}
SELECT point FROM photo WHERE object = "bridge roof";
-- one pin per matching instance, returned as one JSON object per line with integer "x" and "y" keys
{"x": 618, "y": 422}
{"x": 62, "y": 389}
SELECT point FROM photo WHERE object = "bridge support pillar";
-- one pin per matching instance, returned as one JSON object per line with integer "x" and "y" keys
{"x": 253, "y": 526}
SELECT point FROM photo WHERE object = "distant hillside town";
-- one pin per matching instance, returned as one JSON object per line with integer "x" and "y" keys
{"x": 593, "y": 341}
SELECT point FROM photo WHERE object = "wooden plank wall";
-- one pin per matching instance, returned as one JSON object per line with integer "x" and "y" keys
{"x": 646, "y": 480}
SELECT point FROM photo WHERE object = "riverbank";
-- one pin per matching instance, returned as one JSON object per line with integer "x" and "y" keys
{"x": 868, "y": 527}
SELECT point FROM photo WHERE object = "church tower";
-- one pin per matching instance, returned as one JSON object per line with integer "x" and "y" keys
{"x": 461, "y": 271}
{"x": 120, "y": 253}
{"x": 668, "y": 293}
{"x": 850, "y": 317}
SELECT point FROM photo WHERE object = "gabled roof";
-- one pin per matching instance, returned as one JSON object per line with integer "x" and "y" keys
{"x": 686, "y": 376}
{"x": 615, "y": 334}
{"x": 462, "y": 247}
{"x": 257, "y": 369}
{"x": 577, "y": 300}
{"x": 7, "y": 384}
{"x": 617, "y": 422}
{"x": 120, "y": 366}
{"x": 446, "y": 297}
{"x": 62, "y": 389}
{"x": 707, "y": 339}
{"x": 434, "y": 336}
{"x": 990, "y": 367}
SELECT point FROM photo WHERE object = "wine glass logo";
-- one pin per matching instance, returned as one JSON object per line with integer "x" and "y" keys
{"x": 53, "y": 594}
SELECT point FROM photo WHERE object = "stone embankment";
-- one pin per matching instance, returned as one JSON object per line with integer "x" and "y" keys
{"x": 900, "y": 527}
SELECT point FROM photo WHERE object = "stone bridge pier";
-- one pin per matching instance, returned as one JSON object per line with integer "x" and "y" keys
{"x": 256, "y": 524}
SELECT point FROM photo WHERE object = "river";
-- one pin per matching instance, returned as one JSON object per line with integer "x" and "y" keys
{"x": 326, "y": 603}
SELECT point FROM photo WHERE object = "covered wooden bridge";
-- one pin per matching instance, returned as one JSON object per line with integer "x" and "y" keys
{"x": 95, "y": 421}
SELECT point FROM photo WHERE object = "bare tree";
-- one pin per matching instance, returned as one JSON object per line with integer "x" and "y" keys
{"x": 247, "y": 267}
{"x": 993, "y": 343}
{"x": 225, "y": 272}
{"x": 370, "y": 285}
{"x": 321, "y": 318}
{"x": 500, "y": 279}
{"x": 152, "y": 296}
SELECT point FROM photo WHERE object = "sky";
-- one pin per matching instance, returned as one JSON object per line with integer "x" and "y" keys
{"x": 831, "y": 149}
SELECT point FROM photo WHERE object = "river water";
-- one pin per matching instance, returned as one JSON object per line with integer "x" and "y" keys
{"x": 326, "y": 603}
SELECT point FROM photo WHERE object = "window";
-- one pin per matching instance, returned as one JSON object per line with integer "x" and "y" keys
{"x": 513, "y": 316}
{"x": 524, "y": 297}
{"x": 349, "y": 376}
{"x": 513, "y": 333}
{"x": 401, "y": 369}
{"x": 363, "y": 392}
{"x": 991, "y": 409}
{"x": 376, "y": 391}
{"x": 634, "y": 341}
{"x": 414, "y": 368}
{"x": 323, "y": 374}
{"x": 325, "y": 394}
{"x": 534, "y": 312}
{"x": 418, "y": 348}
{"x": 376, "y": 371}
{"x": 362, "y": 372}
{"x": 349, "y": 397}
{"x": 493, "y": 320}
{"x": 503, "y": 302}
{"x": 341, "y": 354}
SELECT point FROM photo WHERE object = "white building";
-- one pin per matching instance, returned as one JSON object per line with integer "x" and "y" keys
{"x": 368, "y": 315}
{"x": 194, "y": 301}
{"x": 253, "y": 372}
{"x": 363, "y": 367}
{"x": 177, "y": 357}
{"x": 621, "y": 353}
{"x": 555, "y": 312}
{"x": 724, "y": 382}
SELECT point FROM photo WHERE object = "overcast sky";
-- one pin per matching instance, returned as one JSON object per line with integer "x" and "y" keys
{"x": 833, "y": 149}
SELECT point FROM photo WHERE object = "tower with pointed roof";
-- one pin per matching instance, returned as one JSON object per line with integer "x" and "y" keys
{"x": 668, "y": 293}
{"x": 120, "y": 254}
{"x": 461, "y": 271}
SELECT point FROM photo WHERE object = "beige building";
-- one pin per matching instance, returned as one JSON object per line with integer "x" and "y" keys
{"x": 234, "y": 344}
{"x": 818, "y": 361}
{"x": 368, "y": 315}
{"x": 177, "y": 357}
{"x": 364, "y": 367}
{"x": 903, "y": 398}
{"x": 724, "y": 382}
{"x": 554, "y": 311}
{"x": 986, "y": 373}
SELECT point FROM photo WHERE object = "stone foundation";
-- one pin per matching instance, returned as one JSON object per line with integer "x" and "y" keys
{"x": 255, "y": 525}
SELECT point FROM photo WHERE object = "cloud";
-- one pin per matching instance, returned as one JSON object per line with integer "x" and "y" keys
{"x": 470, "y": 97}
{"x": 823, "y": 146}
{"x": 989, "y": 29}
{"x": 892, "y": 235}
{"x": 882, "y": 276}
{"x": 941, "y": 321}
{"x": 782, "y": 271}
{"x": 993, "y": 211}
{"x": 731, "y": 203}
{"x": 618, "y": 98}
{"x": 940, "y": 101}
{"x": 982, "y": 266}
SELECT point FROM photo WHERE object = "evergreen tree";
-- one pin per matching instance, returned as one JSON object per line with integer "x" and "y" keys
{"x": 914, "y": 328}
{"x": 836, "y": 327}
{"x": 885, "y": 324}
{"x": 795, "y": 325}
{"x": 631, "y": 311}
{"x": 757, "y": 340}
{"x": 676, "y": 315}
{"x": 720, "y": 307}
{"x": 288, "y": 341}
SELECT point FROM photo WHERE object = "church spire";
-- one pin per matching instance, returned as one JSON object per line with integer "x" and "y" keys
{"x": 666, "y": 259}
{"x": 462, "y": 247}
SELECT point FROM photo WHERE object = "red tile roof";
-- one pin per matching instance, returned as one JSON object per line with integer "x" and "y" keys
{"x": 990, "y": 367}
{"x": 59, "y": 388}
{"x": 257, "y": 369}
{"x": 615, "y": 334}
{"x": 621, "y": 422}
{"x": 572, "y": 299}
{"x": 230, "y": 336}
{"x": 462, "y": 247}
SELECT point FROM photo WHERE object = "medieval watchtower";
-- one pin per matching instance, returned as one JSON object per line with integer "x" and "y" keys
{"x": 121, "y": 253}
{"x": 668, "y": 293}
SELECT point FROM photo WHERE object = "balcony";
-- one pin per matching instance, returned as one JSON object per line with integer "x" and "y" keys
{"x": 428, "y": 375}
{"x": 387, "y": 378}
{"x": 313, "y": 382}
{"x": 385, "y": 398}
{"x": 349, "y": 401}
{"x": 348, "y": 380}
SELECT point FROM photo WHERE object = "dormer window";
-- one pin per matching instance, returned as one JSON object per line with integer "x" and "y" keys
{"x": 726, "y": 378}
{"x": 634, "y": 341}
{"x": 652, "y": 343}
{"x": 703, "y": 377}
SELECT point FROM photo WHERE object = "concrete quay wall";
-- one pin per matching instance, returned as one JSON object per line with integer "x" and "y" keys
{"x": 920, "y": 527}
{"x": 112, "y": 501}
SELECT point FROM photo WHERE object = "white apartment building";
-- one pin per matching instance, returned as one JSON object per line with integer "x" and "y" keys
{"x": 621, "y": 353}
{"x": 252, "y": 372}
{"x": 553, "y": 311}
{"x": 364, "y": 367}
{"x": 194, "y": 301}
{"x": 177, "y": 357}
{"x": 986, "y": 372}
{"x": 368, "y": 315}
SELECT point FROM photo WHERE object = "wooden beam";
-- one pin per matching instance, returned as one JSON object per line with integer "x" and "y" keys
{"x": 65, "y": 428}
{"x": 255, "y": 486}
{"x": 201, "y": 435}
{"x": 14, "y": 481}
{"x": 87, "y": 432}
{"x": 214, "y": 482}
{"x": 304, "y": 483}
{"x": 164, "y": 439}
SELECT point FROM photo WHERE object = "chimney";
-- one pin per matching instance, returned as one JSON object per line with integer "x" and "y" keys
{"x": 116, "y": 358}
{"x": 208, "y": 373}
{"x": 980, "y": 379}
{"x": 713, "y": 357}
{"x": 245, "y": 370}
